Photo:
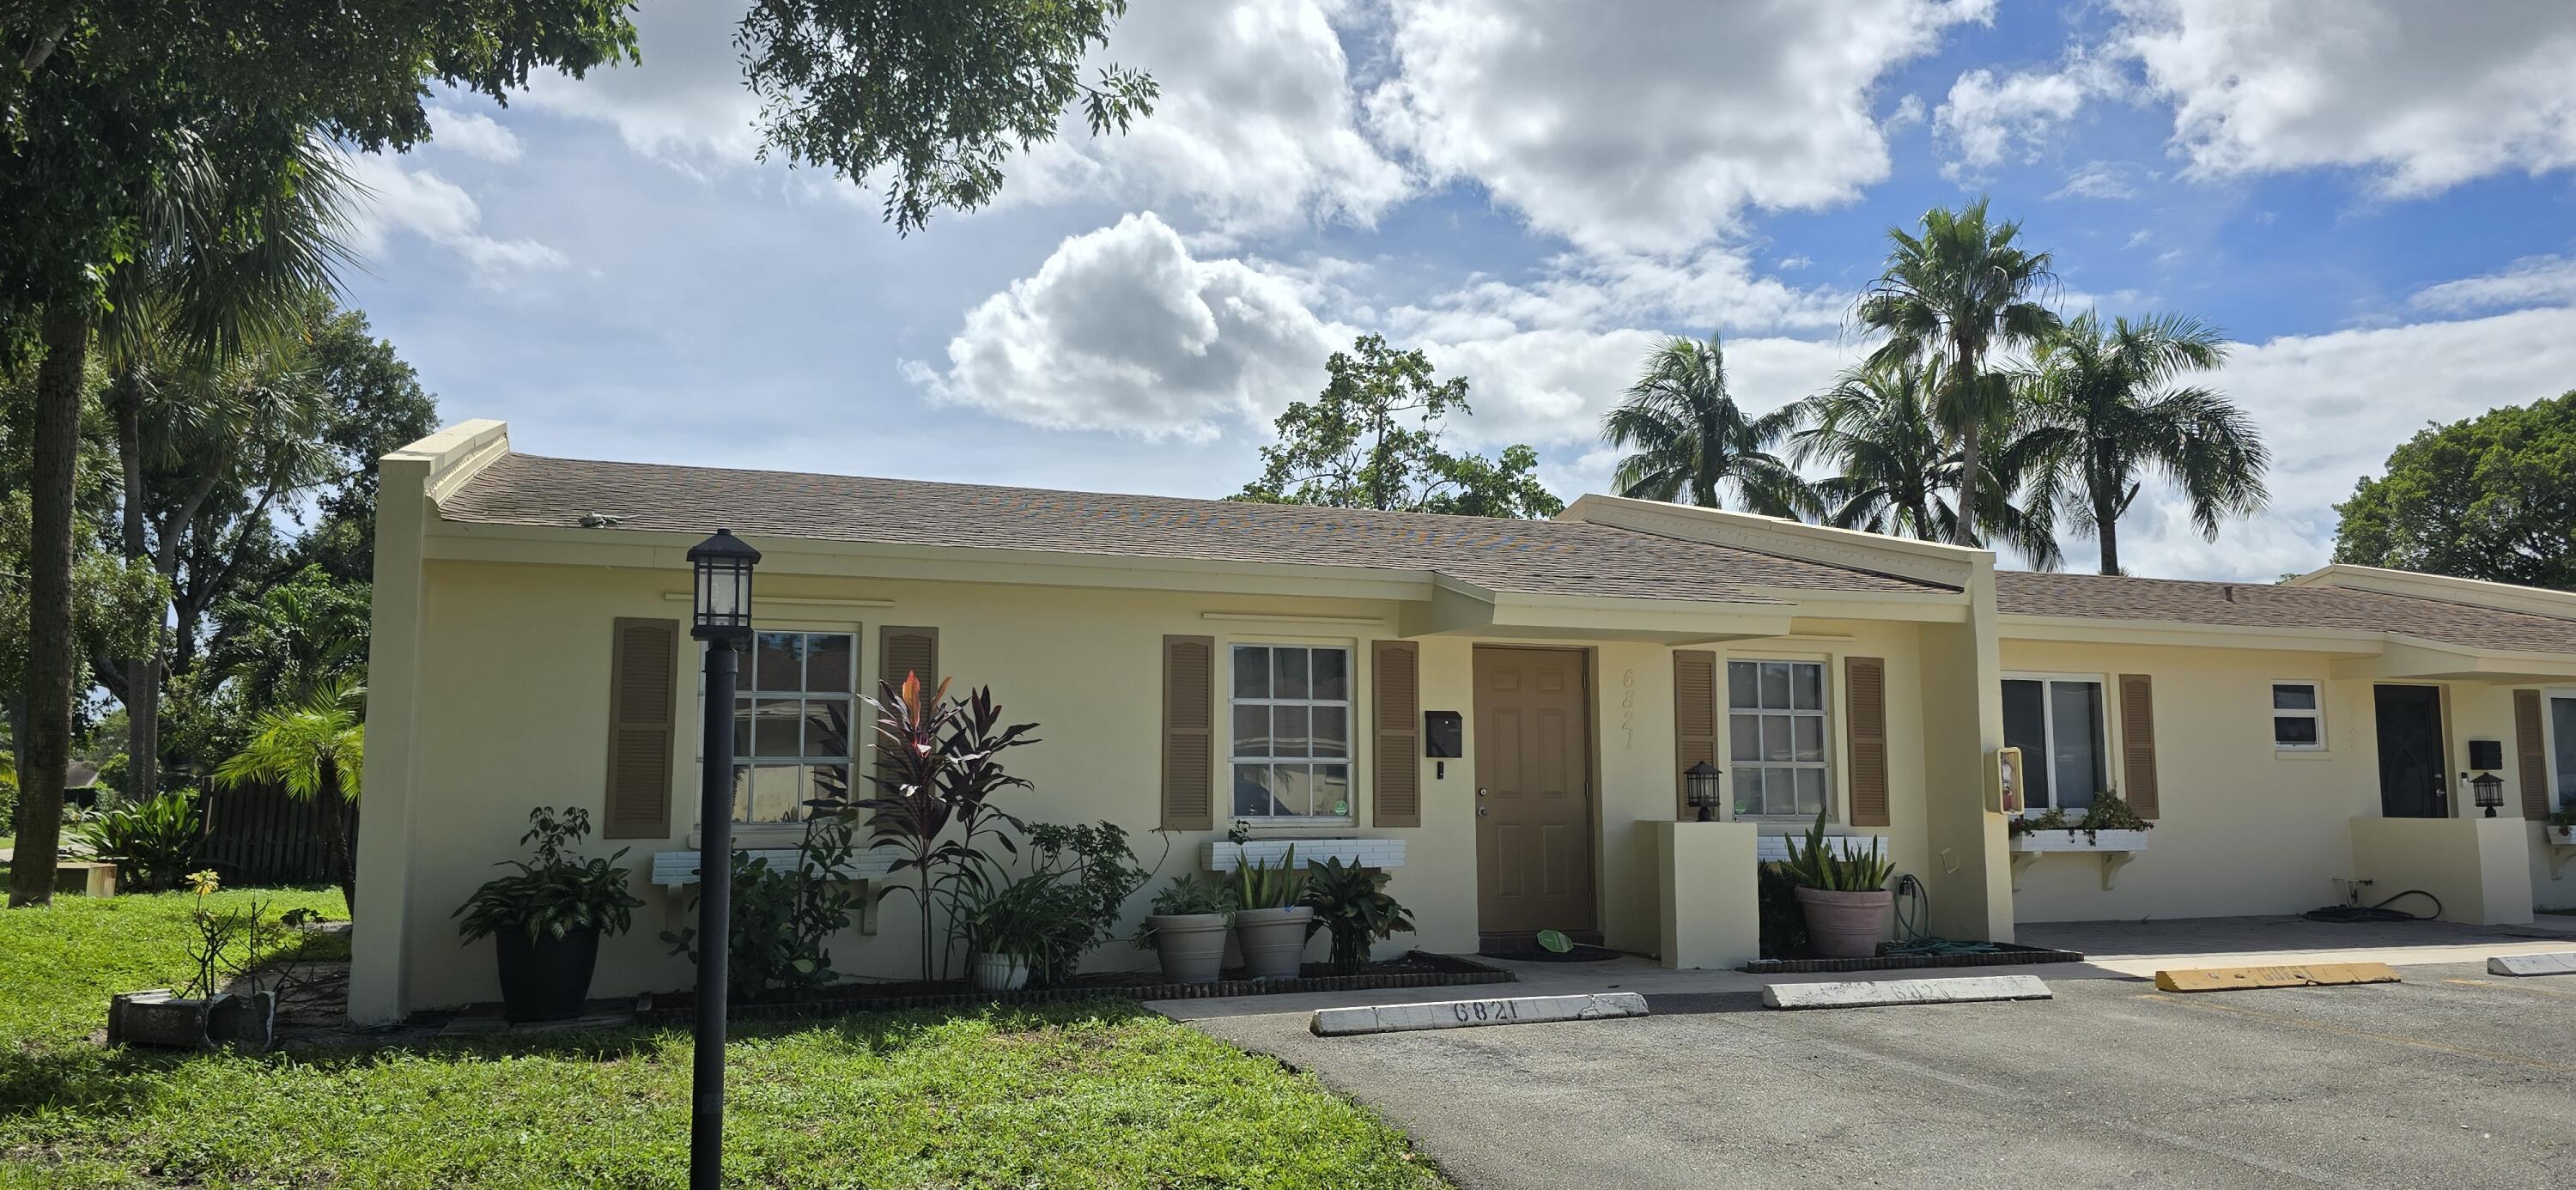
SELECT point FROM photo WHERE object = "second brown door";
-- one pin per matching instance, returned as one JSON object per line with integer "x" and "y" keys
{"x": 1533, "y": 754}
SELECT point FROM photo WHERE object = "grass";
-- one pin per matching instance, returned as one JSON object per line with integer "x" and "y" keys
{"x": 1097, "y": 1094}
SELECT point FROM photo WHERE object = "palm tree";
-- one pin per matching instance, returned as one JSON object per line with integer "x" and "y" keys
{"x": 1899, "y": 472}
{"x": 206, "y": 378}
{"x": 1690, "y": 437}
{"x": 317, "y": 749}
{"x": 1955, "y": 292}
{"x": 2104, "y": 413}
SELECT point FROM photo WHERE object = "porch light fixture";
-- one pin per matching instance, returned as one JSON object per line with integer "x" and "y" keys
{"x": 722, "y": 618}
{"x": 1700, "y": 780}
{"x": 723, "y": 592}
{"x": 2490, "y": 791}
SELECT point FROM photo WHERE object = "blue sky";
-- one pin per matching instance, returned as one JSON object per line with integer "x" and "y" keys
{"x": 2371, "y": 198}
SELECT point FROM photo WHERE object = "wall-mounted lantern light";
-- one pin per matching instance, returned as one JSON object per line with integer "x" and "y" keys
{"x": 1700, "y": 781}
{"x": 2490, "y": 791}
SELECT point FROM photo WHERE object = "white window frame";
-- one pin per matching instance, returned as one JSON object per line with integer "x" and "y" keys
{"x": 1351, "y": 731}
{"x": 1825, "y": 712}
{"x": 2549, "y": 741}
{"x": 747, "y": 834}
{"x": 2048, "y": 739}
{"x": 2317, "y": 714}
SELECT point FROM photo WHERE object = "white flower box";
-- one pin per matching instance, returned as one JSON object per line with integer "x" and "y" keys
{"x": 2115, "y": 847}
{"x": 2079, "y": 840}
{"x": 1220, "y": 855}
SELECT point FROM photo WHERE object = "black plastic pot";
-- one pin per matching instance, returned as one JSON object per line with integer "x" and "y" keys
{"x": 545, "y": 980}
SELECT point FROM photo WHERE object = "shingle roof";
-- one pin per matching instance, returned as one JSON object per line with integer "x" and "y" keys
{"x": 2264, "y": 605}
{"x": 1525, "y": 557}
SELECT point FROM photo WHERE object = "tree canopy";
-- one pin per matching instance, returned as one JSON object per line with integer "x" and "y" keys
{"x": 2492, "y": 497}
{"x": 1371, "y": 439}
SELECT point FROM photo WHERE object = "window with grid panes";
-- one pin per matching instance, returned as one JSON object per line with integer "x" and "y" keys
{"x": 1776, "y": 738}
{"x": 1291, "y": 715}
{"x": 793, "y": 736}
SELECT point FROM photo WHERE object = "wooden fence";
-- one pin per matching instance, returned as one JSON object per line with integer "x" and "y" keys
{"x": 258, "y": 835}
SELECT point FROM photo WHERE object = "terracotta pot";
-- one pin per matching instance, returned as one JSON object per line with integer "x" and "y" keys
{"x": 1001, "y": 972}
{"x": 1273, "y": 940}
{"x": 1192, "y": 945}
{"x": 1846, "y": 925}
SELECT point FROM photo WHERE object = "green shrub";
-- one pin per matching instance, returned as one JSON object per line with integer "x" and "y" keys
{"x": 1819, "y": 865}
{"x": 560, "y": 893}
{"x": 1352, "y": 902}
{"x": 152, "y": 840}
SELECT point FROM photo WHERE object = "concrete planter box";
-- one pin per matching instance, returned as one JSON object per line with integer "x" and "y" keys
{"x": 155, "y": 1017}
{"x": 1221, "y": 856}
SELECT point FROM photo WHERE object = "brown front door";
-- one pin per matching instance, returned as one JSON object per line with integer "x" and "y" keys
{"x": 1533, "y": 791}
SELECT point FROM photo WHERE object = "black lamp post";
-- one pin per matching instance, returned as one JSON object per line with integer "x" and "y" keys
{"x": 2490, "y": 790}
{"x": 1701, "y": 781}
{"x": 722, "y": 619}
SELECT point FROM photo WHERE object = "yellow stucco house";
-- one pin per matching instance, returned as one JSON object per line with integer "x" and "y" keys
{"x": 1197, "y": 665}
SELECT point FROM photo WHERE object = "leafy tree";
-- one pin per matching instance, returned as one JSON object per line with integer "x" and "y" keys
{"x": 295, "y": 638}
{"x": 1961, "y": 288}
{"x": 1900, "y": 473}
{"x": 2492, "y": 497}
{"x": 1371, "y": 439}
{"x": 1690, "y": 439}
{"x": 316, "y": 749}
{"x": 2104, "y": 413}
{"x": 377, "y": 405}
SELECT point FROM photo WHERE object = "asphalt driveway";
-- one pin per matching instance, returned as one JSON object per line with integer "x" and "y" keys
{"x": 2453, "y": 1078}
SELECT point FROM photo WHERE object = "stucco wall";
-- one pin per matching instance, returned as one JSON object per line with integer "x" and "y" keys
{"x": 512, "y": 713}
{"x": 2476, "y": 866}
{"x": 2243, "y": 828}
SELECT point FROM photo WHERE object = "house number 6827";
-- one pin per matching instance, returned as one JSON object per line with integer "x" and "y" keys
{"x": 1627, "y": 708}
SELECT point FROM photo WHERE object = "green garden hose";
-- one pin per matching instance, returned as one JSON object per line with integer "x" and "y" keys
{"x": 1913, "y": 913}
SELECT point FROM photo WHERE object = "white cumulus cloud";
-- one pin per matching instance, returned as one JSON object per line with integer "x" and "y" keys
{"x": 473, "y": 134}
{"x": 1651, "y": 127}
{"x": 419, "y": 202}
{"x": 1123, "y": 330}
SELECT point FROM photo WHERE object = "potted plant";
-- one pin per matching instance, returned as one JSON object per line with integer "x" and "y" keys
{"x": 1188, "y": 927}
{"x": 2562, "y": 824}
{"x": 1352, "y": 902}
{"x": 1269, "y": 918}
{"x": 546, "y": 920}
{"x": 1006, "y": 928}
{"x": 1844, "y": 897}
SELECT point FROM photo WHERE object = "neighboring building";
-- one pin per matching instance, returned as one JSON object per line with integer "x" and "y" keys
{"x": 1195, "y": 664}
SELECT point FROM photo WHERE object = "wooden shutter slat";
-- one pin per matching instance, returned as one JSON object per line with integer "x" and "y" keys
{"x": 1189, "y": 733}
{"x": 643, "y": 695}
{"x": 1865, "y": 700}
{"x": 2531, "y": 754}
{"x": 1694, "y": 721}
{"x": 902, "y": 650}
{"x": 1395, "y": 793}
{"x": 2138, "y": 742}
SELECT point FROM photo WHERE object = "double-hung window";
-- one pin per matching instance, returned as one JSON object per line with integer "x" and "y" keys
{"x": 793, "y": 739}
{"x": 1776, "y": 733}
{"x": 2057, "y": 723}
{"x": 1291, "y": 708}
{"x": 2298, "y": 717}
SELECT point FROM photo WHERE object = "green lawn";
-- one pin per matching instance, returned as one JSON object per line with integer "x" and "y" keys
{"x": 1099, "y": 1094}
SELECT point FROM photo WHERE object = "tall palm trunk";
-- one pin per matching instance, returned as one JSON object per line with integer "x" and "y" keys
{"x": 142, "y": 674}
{"x": 1971, "y": 446}
{"x": 65, "y": 335}
{"x": 344, "y": 864}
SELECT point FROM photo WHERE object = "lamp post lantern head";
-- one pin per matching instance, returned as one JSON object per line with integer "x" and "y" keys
{"x": 722, "y": 591}
{"x": 1701, "y": 781}
{"x": 2490, "y": 791}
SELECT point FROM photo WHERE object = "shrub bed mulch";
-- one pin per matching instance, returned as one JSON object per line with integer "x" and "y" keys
{"x": 1419, "y": 969}
{"x": 2005, "y": 954}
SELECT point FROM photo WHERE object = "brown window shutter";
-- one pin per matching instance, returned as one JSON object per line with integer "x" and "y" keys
{"x": 643, "y": 690}
{"x": 1189, "y": 733}
{"x": 902, "y": 651}
{"x": 1865, "y": 701}
{"x": 1396, "y": 747}
{"x": 2138, "y": 741}
{"x": 2531, "y": 754}
{"x": 1694, "y": 721}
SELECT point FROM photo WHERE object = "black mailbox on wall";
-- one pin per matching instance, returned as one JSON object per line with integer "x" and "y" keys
{"x": 1442, "y": 736}
{"x": 2486, "y": 756}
